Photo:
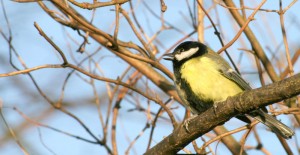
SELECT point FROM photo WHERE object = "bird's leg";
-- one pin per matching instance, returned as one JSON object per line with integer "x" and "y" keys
{"x": 186, "y": 123}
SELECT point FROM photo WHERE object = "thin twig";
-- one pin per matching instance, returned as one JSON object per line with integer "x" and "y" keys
{"x": 11, "y": 131}
{"x": 136, "y": 138}
{"x": 97, "y": 4}
{"x": 51, "y": 42}
{"x": 287, "y": 51}
{"x": 158, "y": 114}
{"x": 163, "y": 6}
{"x": 219, "y": 37}
{"x": 49, "y": 127}
{"x": 250, "y": 18}
{"x": 117, "y": 6}
{"x": 228, "y": 133}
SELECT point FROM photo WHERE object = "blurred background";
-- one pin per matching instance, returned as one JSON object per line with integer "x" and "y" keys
{"x": 62, "y": 111}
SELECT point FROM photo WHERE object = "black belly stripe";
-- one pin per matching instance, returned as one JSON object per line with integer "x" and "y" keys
{"x": 193, "y": 100}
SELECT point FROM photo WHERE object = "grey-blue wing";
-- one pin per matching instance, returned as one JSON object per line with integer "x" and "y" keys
{"x": 235, "y": 77}
{"x": 228, "y": 72}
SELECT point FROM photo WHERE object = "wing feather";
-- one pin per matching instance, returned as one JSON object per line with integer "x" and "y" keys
{"x": 235, "y": 77}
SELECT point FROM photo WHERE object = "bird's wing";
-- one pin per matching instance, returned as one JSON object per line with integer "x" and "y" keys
{"x": 235, "y": 77}
{"x": 228, "y": 72}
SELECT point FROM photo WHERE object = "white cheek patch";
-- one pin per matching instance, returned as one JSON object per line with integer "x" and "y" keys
{"x": 186, "y": 54}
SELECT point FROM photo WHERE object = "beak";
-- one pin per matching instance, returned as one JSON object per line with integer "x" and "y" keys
{"x": 168, "y": 56}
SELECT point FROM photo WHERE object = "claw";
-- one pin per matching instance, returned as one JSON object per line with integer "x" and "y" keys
{"x": 186, "y": 125}
{"x": 215, "y": 106}
{"x": 187, "y": 122}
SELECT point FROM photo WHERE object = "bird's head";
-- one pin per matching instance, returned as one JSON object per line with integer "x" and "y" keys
{"x": 185, "y": 51}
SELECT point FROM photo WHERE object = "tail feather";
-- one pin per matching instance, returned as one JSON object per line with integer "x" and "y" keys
{"x": 275, "y": 125}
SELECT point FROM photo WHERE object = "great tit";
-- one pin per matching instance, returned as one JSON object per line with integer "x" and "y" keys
{"x": 203, "y": 78}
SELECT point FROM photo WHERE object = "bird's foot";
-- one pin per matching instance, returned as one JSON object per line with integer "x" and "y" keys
{"x": 215, "y": 106}
{"x": 187, "y": 122}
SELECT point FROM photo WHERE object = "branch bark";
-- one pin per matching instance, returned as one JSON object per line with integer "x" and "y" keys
{"x": 242, "y": 103}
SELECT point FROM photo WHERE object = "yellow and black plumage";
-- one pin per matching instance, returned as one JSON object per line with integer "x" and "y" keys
{"x": 203, "y": 78}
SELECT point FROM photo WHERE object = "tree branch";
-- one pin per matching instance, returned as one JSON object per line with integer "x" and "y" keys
{"x": 242, "y": 103}
{"x": 90, "y": 6}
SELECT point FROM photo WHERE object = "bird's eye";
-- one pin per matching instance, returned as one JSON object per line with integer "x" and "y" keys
{"x": 181, "y": 50}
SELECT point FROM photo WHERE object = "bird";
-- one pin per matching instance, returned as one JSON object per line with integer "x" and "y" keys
{"x": 203, "y": 78}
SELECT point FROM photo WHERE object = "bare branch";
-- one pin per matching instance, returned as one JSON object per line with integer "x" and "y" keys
{"x": 238, "y": 104}
{"x": 250, "y": 18}
{"x": 96, "y": 4}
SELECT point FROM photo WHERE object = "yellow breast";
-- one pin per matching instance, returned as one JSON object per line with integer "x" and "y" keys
{"x": 206, "y": 81}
